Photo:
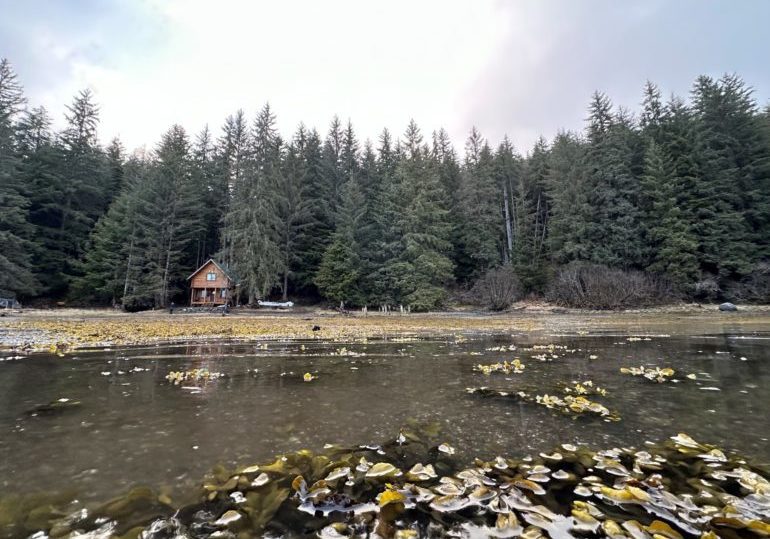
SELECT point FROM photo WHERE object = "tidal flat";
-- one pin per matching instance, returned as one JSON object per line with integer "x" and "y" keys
{"x": 647, "y": 424}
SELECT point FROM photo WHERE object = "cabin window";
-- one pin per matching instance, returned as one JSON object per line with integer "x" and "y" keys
{"x": 224, "y": 292}
{"x": 211, "y": 276}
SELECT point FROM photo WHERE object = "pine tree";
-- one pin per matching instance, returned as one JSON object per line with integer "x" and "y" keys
{"x": 652, "y": 111}
{"x": 85, "y": 173}
{"x": 423, "y": 269}
{"x": 387, "y": 244}
{"x": 450, "y": 176}
{"x": 232, "y": 161}
{"x": 340, "y": 274}
{"x": 112, "y": 266}
{"x": 370, "y": 230}
{"x": 315, "y": 235}
{"x": 252, "y": 222}
{"x": 673, "y": 244}
{"x": 213, "y": 189}
{"x": 333, "y": 172}
{"x": 116, "y": 156}
{"x": 568, "y": 193}
{"x": 481, "y": 238}
{"x": 614, "y": 161}
{"x": 40, "y": 169}
{"x": 172, "y": 211}
{"x": 294, "y": 205}
{"x": 529, "y": 208}
{"x": 70, "y": 188}
{"x": 16, "y": 272}
{"x": 734, "y": 162}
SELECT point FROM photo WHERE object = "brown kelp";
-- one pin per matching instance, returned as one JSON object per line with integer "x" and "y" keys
{"x": 411, "y": 488}
{"x": 654, "y": 374}
{"x": 193, "y": 375}
{"x": 514, "y": 367}
{"x": 573, "y": 402}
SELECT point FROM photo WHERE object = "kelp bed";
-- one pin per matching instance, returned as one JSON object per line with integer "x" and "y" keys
{"x": 414, "y": 488}
{"x": 66, "y": 330}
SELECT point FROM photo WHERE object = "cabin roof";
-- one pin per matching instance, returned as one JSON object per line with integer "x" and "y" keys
{"x": 221, "y": 267}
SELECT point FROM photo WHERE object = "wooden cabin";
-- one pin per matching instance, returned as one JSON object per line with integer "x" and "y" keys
{"x": 211, "y": 285}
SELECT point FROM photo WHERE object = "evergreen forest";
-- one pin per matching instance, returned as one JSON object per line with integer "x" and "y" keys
{"x": 677, "y": 191}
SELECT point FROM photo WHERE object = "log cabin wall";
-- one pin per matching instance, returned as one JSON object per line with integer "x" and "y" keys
{"x": 200, "y": 280}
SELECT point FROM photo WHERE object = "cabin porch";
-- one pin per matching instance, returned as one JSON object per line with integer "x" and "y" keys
{"x": 209, "y": 296}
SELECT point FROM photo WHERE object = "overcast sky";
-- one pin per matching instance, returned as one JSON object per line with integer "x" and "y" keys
{"x": 523, "y": 68}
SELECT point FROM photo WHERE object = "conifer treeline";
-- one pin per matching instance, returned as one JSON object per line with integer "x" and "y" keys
{"x": 682, "y": 190}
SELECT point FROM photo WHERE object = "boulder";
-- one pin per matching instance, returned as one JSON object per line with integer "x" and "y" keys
{"x": 728, "y": 307}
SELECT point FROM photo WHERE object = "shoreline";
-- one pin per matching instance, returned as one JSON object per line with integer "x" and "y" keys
{"x": 61, "y": 330}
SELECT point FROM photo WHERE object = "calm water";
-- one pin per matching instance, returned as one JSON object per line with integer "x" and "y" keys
{"x": 136, "y": 428}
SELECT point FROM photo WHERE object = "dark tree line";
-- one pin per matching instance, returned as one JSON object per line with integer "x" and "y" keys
{"x": 680, "y": 191}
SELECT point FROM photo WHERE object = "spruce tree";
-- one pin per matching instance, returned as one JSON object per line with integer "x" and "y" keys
{"x": 614, "y": 166}
{"x": 370, "y": 230}
{"x": 340, "y": 275}
{"x": 41, "y": 171}
{"x": 293, "y": 205}
{"x": 424, "y": 268}
{"x": 315, "y": 235}
{"x": 232, "y": 162}
{"x": 387, "y": 244}
{"x": 529, "y": 209}
{"x": 86, "y": 176}
{"x": 333, "y": 171}
{"x": 734, "y": 158}
{"x": 568, "y": 190}
{"x": 207, "y": 181}
{"x": 480, "y": 240}
{"x": 114, "y": 262}
{"x": 172, "y": 211}
{"x": 673, "y": 244}
{"x": 251, "y": 224}
{"x": 16, "y": 271}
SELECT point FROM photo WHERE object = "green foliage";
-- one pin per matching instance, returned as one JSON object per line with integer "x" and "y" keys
{"x": 480, "y": 238}
{"x": 673, "y": 246}
{"x": 338, "y": 275}
{"x": 422, "y": 268}
{"x": 16, "y": 270}
{"x": 252, "y": 221}
{"x": 614, "y": 232}
{"x": 682, "y": 193}
{"x": 567, "y": 189}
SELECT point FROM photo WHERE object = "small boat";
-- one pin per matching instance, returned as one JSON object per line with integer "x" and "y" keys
{"x": 276, "y": 304}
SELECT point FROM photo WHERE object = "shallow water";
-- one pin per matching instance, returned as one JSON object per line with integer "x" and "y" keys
{"x": 137, "y": 428}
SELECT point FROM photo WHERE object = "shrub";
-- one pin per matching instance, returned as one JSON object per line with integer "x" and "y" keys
{"x": 707, "y": 289}
{"x": 137, "y": 304}
{"x": 593, "y": 286}
{"x": 498, "y": 288}
{"x": 753, "y": 288}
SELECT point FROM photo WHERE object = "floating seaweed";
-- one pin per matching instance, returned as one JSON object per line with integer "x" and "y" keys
{"x": 194, "y": 375}
{"x": 409, "y": 488}
{"x": 576, "y": 405}
{"x": 514, "y": 367}
{"x": 586, "y": 387}
{"x": 569, "y": 404}
{"x": 655, "y": 374}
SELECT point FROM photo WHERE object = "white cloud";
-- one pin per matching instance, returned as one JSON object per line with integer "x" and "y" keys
{"x": 522, "y": 68}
